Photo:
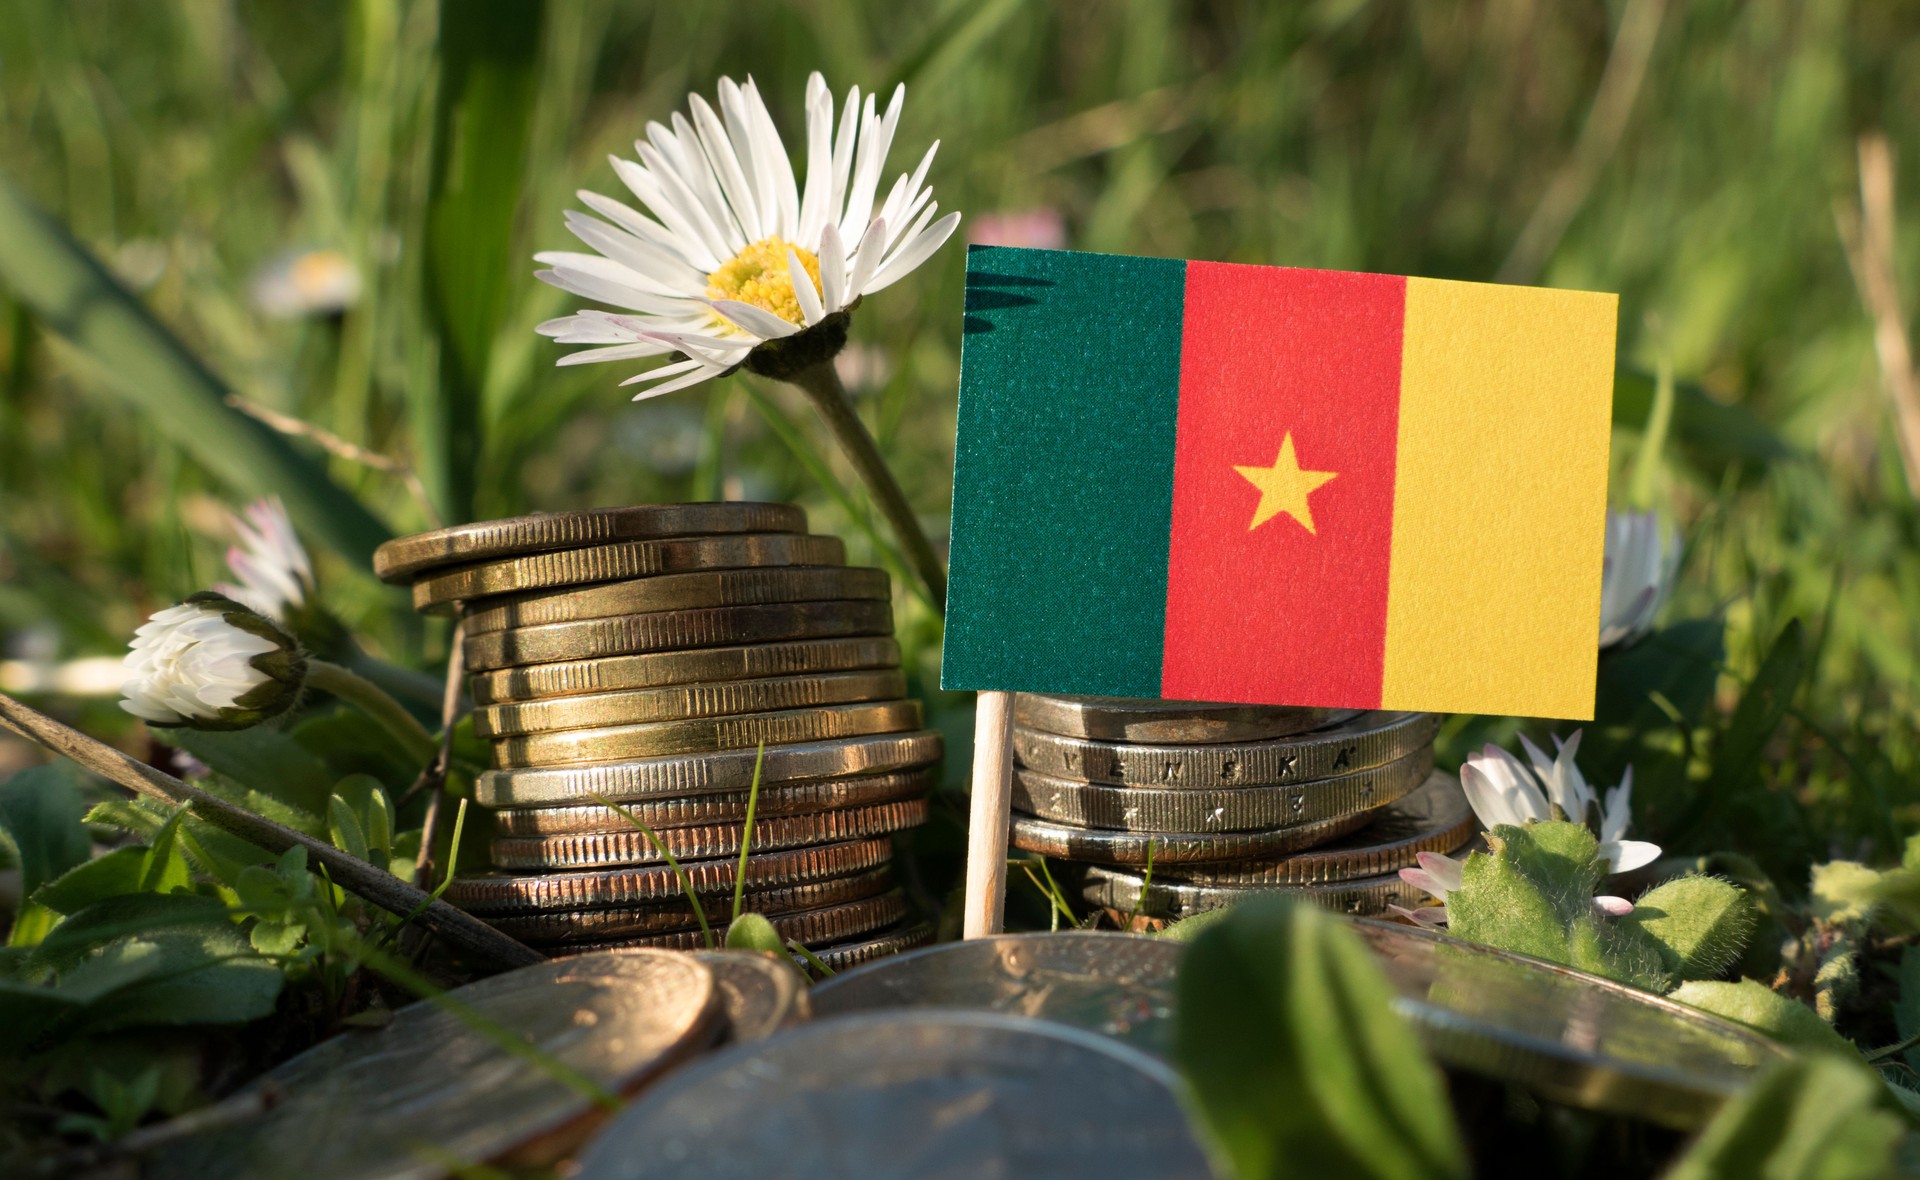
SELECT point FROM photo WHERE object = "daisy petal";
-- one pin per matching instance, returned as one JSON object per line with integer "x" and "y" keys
{"x": 833, "y": 269}
{"x": 1613, "y": 907}
{"x": 866, "y": 259}
{"x": 747, "y": 317}
{"x": 917, "y": 252}
{"x": 803, "y": 291}
{"x": 618, "y": 352}
{"x": 705, "y": 373}
{"x": 1429, "y": 916}
{"x": 1624, "y": 856}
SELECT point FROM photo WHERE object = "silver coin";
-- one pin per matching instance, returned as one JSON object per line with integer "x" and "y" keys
{"x": 1120, "y": 985}
{"x": 673, "y": 775}
{"x": 831, "y": 794}
{"x": 1575, "y": 1038}
{"x": 552, "y": 928}
{"x": 1119, "y": 890}
{"x": 1434, "y": 818}
{"x": 1228, "y": 809}
{"x": 828, "y": 925}
{"x": 1127, "y": 719}
{"x": 403, "y": 1100}
{"x": 847, "y": 955}
{"x": 759, "y": 993}
{"x": 1172, "y": 848}
{"x": 1367, "y": 740}
{"x": 905, "y": 1095}
{"x": 515, "y": 893}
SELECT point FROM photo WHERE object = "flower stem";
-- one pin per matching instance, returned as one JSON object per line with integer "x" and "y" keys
{"x": 821, "y": 383}
{"x": 372, "y": 700}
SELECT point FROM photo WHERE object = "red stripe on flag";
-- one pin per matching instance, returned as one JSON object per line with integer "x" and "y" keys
{"x": 1271, "y": 612}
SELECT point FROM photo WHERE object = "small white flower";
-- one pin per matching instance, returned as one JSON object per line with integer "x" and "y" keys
{"x": 736, "y": 255}
{"x": 210, "y": 663}
{"x": 1642, "y": 558}
{"x": 306, "y": 282}
{"x": 1502, "y": 790}
{"x": 274, "y": 570}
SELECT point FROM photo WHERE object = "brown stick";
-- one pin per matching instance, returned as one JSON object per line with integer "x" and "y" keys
{"x": 461, "y": 930}
{"x": 434, "y": 776}
{"x": 1869, "y": 240}
{"x": 985, "y": 908}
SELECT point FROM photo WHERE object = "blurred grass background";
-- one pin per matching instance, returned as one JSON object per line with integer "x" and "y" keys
{"x": 1690, "y": 156}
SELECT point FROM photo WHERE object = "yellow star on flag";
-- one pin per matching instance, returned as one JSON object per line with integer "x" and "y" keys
{"x": 1284, "y": 487}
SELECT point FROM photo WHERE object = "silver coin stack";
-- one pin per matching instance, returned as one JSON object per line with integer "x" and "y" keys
{"x": 636, "y": 671}
{"x": 1177, "y": 807}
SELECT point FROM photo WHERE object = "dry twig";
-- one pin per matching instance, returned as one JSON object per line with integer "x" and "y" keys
{"x": 1868, "y": 236}
{"x": 333, "y": 444}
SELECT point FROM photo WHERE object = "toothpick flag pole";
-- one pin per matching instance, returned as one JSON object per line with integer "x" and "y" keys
{"x": 986, "y": 898}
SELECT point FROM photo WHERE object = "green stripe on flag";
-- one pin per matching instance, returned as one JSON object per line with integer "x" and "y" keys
{"x": 1063, "y": 479}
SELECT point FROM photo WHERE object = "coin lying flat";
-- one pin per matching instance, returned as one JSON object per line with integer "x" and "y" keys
{"x": 909, "y": 1096}
{"x": 1120, "y": 890}
{"x": 678, "y": 592}
{"x": 721, "y": 626}
{"x": 1121, "y": 985}
{"x": 401, "y": 558}
{"x": 708, "y": 773}
{"x": 1230, "y": 809}
{"x": 1125, "y": 719}
{"x": 400, "y": 1101}
{"x": 1172, "y": 848}
{"x": 1576, "y": 1038}
{"x": 759, "y": 993}
{"x": 774, "y": 800}
{"x": 703, "y": 734}
{"x": 608, "y": 849}
{"x": 717, "y": 699}
{"x": 628, "y": 559}
{"x": 846, "y": 955}
{"x": 660, "y": 917}
{"x": 854, "y": 919}
{"x": 1434, "y": 818}
{"x": 658, "y": 669}
{"x": 1356, "y": 744}
{"x": 504, "y": 893}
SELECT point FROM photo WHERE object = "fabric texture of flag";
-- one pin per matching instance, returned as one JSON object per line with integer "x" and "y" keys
{"x": 1207, "y": 481}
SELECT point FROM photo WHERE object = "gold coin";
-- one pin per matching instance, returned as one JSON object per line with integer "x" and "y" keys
{"x": 628, "y": 559}
{"x": 708, "y": 773}
{"x": 726, "y": 698}
{"x": 844, "y": 955}
{"x": 676, "y": 914}
{"x": 659, "y": 669}
{"x": 1125, "y": 719}
{"x": 702, "y": 734}
{"x": 508, "y": 893}
{"x": 1369, "y": 739}
{"x": 695, "y": 591}
{"x": 853, "y": 919}
{"x": 725, "y": 626}
{"x": 804, "y": 798}
{"x": 399, "y": 559}
{"x": 608, "y": 849}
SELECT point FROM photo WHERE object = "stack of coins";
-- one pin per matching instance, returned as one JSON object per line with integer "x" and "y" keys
{"x": 628, "y": 666}
{"x": 1218, "y": 802}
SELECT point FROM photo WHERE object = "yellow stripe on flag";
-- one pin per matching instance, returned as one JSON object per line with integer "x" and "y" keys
{"x": 1505, "y": 408}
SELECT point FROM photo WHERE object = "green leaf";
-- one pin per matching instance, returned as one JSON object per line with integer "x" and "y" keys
{"x": 116, "y": 873}
{"x": 264, "y": 760}
{"x": 40, "y": 823}
{"x": 343, "y": 827}
{"x": 490, "y": 52}
{"x": 1813, "y": 1118}
{"x": 753, "y": 932}
{"x": 1700, "y": 924}
{"x": 163, "y": 869}
{"x": 1844, "y": 891}
{"x": 1760, "y": 1007}
{"x": 1906, "y": 1013}
{"x": 1188, "y": 929}
{"x": 1679, "y": 663}
{"x": 1299, "y": 1065}
{"x": 135, "y": 357}
{"x": 1713, "y": 437}
{"x": 1533, "y": 894}
{"x": 1738, "y": 752}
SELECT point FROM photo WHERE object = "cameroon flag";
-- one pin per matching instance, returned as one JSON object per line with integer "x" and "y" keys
{"x": 1216, "y": 482}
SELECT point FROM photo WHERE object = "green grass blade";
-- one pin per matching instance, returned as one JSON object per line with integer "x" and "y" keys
{"x": 135, "y": 357}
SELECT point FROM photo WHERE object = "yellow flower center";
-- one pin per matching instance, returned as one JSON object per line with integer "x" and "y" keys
{"x": 758, "y": 275}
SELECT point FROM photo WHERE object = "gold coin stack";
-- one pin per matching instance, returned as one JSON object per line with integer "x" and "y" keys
{"x": 634, "y": 669}
{"x": 1178, "y": 807}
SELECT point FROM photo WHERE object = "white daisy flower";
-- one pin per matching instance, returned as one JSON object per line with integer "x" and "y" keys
{"x": 1502, "y": 790}
{"x": 274, "y": 571}
{"x": 734, "y": 262}
{"x": 1642, "y": 558}
{"x": 306, "y": 283}
{"x": 211, "y": 663}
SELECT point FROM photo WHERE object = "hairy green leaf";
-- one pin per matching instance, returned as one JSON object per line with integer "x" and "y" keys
{"x": 1759, "y": 1007}
{"x": 1299, "y": 1065}
{"x": 264, "y": 760}
{"x": 40, "y": 829}
{"x": 753, "y": 932}
{"x": 1816, "y": 1117}
{"x": 1700, "y": 924}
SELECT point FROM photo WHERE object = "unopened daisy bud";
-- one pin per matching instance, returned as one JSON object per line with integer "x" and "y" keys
{"x": 211, "y": 663}
{"x": 1642, "y": 558}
